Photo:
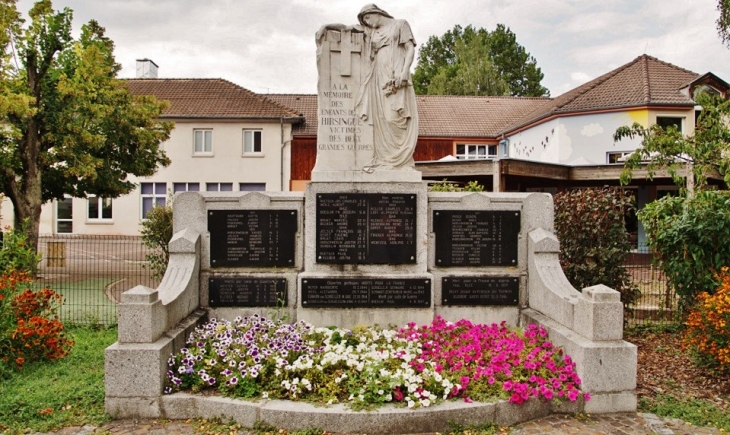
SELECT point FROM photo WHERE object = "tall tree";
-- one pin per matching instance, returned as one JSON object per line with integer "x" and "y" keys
{"x": 70, "y": 126}
{"x": 723, "y": 22}
{"x": 706, "y": 150}
{"x": 448, "y": 64}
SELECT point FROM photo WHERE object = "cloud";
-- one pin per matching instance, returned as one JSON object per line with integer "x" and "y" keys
{"x": 592, "y": 130}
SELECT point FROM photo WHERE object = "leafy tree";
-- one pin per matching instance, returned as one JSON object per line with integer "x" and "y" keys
{"x": 70, "y": 127}
{"x": 594, "y": 242}
{"x": 705, "y": 151}
{"x": 689, "y": 235}
{"x": 156, "y": 234}
{"x": 469, "y": 61}
{"x": 723, "y": 22}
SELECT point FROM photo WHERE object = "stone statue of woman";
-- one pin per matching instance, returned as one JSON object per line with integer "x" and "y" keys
{"x": 386, "y": 98}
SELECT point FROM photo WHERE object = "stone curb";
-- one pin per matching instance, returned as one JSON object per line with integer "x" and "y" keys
{"x": 387, "y": 420}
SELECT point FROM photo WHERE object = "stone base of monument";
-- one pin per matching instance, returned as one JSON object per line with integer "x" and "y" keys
{"x": 362, "y": 176}
{"x": 338, "y": 418}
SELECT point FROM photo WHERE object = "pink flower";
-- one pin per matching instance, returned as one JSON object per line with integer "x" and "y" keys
{"x": 587, "y": 396}
{"x": 397, "y": 394}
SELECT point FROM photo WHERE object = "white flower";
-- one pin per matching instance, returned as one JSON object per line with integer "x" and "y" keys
{"x": 411, "y": 403}
{"x": 425, "y": 402}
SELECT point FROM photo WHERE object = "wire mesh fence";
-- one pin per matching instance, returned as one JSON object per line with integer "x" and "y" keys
{"x": 91, "y": 272}
{"x": 657, "y": 301}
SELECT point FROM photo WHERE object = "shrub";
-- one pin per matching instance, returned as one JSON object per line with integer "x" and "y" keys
{"x": 16, "y": 253}
{"x": 690, "y": 236}
{"x": 156, "y": 234}
{"x": 29, "y": 327}
{"x": 593, "y": 239}
{"x": 708, "y": 326}
{"x": 448, "y": 186}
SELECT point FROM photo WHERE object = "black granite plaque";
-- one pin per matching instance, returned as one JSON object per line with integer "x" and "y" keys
{"x": 252, "y": 238}
{"x": 366, "y": 228}
{"x": 474, "y": 290}
{"x": 366, "y": 293}
{"x": 246, "y": 292}
{"x": 476, "y": 237}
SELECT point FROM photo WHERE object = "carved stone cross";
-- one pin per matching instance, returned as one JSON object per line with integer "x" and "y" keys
{"x": 349, "y": 43}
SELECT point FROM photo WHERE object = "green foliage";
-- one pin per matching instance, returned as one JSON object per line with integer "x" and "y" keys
{"x": 593, "y": 240}
{"x": 690, "y": 236}
{"x": 16, "y": 253}
{"x": 47, "y": 396}
{"x": 456, "y": 428}
{"x": 70, "y": 127}
{"x": 447, "y": 186}
{"x": 469, "y": 61}
{"x": 156, "y": 234}
{"x": 698, "y": 412}
{"x": 704, "y": 152}
{"x": 723, "y": 22}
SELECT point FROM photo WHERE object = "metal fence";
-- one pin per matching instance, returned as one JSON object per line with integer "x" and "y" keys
{"x": 657, "y": 301}
{"x": 91, "y": 272}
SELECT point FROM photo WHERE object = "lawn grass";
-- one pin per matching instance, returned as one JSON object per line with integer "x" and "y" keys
{"x": 69, "y": 392}
{"x": 84, "y": 301}
{"x": 699, "y": 412}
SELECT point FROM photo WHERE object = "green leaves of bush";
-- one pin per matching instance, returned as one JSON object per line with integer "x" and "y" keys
{"x": 690, "y": 235}
{"x": 593, "y": 240}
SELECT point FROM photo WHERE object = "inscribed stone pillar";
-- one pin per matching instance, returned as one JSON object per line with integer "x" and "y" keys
{"x": 344, "y": 141}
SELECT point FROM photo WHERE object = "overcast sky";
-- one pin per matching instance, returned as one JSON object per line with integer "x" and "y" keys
{"x": 268, "y": 45}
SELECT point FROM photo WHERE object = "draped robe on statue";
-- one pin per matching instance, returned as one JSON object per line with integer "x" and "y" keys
{"x": 392, "y": 112}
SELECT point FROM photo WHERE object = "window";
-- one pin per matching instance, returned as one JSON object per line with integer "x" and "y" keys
{"x": 203, "y": 141}
{"x": 666, "y": 121}
{"x": 185, "y": 187}
{"x": 64, "y": 216}
{"x": 153, "y": 194}
{"x": 252, "y": 187}
{"x": 615, "y": 158}
{"x": 469, "y": 151}
{"x": 99, "y": 208}
{"x": 219, "y": 187}
{"x": 251, "y": 141}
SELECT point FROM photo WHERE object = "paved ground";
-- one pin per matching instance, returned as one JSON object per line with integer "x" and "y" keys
{"x": 611, "y": 424}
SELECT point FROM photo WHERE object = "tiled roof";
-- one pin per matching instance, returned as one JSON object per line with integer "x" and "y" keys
{"x": 645, "y": 81}
{"x": 306, "y": 104}
{"x": 438, "y": 115}
{"x": 208, "y": 98}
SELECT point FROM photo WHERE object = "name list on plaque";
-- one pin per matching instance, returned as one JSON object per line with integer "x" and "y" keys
{"x": 476, "y": 237}
{"x": 252, "y": 238}
{"x": 366, "y": 293}
{"x": 474, "y": 290}
{"x": 246, "y": 292}
{"x": 366, "y": 228}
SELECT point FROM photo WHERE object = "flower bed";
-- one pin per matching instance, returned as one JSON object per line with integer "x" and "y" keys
{"x": 254, "y": 357}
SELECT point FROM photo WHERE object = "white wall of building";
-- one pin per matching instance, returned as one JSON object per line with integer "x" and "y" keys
{"x": 227, "y": 163}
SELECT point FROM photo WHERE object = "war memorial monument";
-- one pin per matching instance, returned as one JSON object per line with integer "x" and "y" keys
{"x": 365, "y": 244}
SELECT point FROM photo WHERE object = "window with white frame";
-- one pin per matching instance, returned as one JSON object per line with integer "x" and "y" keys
{"x": 153, "y": 195}
{"x": 252, "y": 141}
{"x": 64, "y": 216}
{"x": 666, "y": 121}
{"x": 99, "y": 208}
{"x": 219, "y": 187}
{"x": 202, "y": 142}
{"x": 252, "y": 187}
{"x": 185, "y": 187}
{"x": 476, "y": 151}
{"x": 619, "y": 157}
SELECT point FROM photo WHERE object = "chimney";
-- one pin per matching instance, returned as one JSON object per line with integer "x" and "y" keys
{"x": 146, "y": 69}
